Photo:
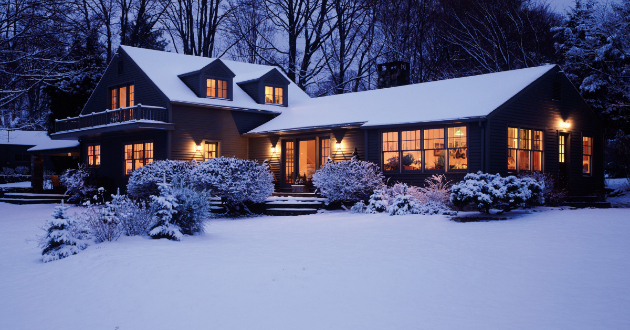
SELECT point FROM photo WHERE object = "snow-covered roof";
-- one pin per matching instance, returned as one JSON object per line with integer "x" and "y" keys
{"x": 163, "y": 68}
{"x": 39, "y": 139}
{"x": 451, "y": 99}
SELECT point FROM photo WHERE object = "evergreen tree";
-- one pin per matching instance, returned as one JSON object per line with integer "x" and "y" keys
{"x": 165, "y": 205}
{"x": 59, "y": 242}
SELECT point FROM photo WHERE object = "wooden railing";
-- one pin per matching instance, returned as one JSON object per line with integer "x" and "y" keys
{"x": 138, "y": 112}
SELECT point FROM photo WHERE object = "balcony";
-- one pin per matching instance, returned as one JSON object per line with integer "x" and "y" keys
{"x": 139, "y": 117}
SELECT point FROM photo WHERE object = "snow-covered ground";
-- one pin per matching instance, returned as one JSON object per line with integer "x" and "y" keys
{"x": 25, "y": 184}
{"x": 556, "y": 269}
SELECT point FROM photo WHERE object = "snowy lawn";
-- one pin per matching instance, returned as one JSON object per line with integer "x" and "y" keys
{"x": 547, "y": 270}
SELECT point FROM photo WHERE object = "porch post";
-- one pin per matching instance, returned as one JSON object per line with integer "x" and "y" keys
{"x": 37, "y": 177}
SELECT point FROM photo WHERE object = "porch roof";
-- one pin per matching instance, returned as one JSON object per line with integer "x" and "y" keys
{"x": 468, "y": 98}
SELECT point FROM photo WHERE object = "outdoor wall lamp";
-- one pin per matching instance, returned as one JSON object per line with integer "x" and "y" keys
{"x": 338, "y": 145}
{"x": 198, "y": 148}
{"x": 565, "y": 124}
{"x": 273, "y": 150}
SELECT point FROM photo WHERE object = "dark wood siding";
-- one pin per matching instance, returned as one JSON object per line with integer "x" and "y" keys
{"x": 112, "y": 156}
{"x": 535, "y": 108}
{"x": 145, "y": 92}
{"x": 192, "y": 81}
{"x": 193, "y": 125}
{"x": 246, "y": 121}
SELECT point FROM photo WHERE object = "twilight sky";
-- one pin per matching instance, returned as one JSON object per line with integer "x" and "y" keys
{"x": 561, "y": 6}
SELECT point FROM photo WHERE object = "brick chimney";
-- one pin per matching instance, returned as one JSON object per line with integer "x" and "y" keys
{"x": 393, "y": 74}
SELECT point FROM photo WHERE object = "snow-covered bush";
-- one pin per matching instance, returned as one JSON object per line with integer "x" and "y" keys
{"x": 405, "y": 203}
{"x": 60, "y": 241}
{"x": 79, "y": 183}
{"x": 192, "y": 208}
{"x": 136, "y": 217}
{"x": 164, "y": 206}
{"x": 103, "y": 222}
{"x": 350, "y": 180}
{"x": 377, "y": 203}
{"x": 237, "y": 181}
{"x": 22, "y": 170}
{"x": 488, "y": 191}
{"x": 437, "y": 189}
{"x": 144, "y": 181}
{"x": 358, "y": 207}
{"x": 553, "y": 195}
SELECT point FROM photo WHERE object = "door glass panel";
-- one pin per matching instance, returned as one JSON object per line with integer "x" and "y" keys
{"x": 288, "y": 161}
{"x": 307, "y": 158}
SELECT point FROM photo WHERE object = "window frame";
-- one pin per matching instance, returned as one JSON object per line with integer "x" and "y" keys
{"x": 397, "y": 150}
{"x": 590, "y": 156}
{"x": 322, "y": 148}
{"x": 206, "y": 142}
{"x": 422, "y": 149}
{"x": 530, "y": 149}
{"x": 100, "y": 158}
{"x": 216, "y": 87}
{"x": 274, "y": 88}
{"x": 402, "y": 149}
{"x": 130, "y": 96}
{"x": 133, "y": 144}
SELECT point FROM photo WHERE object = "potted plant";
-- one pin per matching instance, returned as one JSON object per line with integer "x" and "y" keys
{"x": 300, "y": 185}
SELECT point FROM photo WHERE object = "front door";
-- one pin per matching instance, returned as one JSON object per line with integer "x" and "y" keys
{"x": 298, "y": 160}
{"x": 306, "y": 159}
{"x": 563, "y": 164}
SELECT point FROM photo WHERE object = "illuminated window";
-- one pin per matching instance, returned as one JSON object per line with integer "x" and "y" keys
{"x": 457, "y": 148}
{"x": 210, "y": 150}
{"x": 587, "y": 153}
{"x": 137, "y": 155}
{"x": 561, "y": 148}
{"x": 274, "y": 95}
{"x": 525, "y": 149}
{"x": 122, "y": 96}
{"x": 289, "y": 161}
{"x": 411, "y": 150}
{"x": 325, "y": 151}
{"x": 390, "y": 151}
{"x": 216, "y": 88}
{"x": 434, "y": 151}
{"x": 94, "y": 155}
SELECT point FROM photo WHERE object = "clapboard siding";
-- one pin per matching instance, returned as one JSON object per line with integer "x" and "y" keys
{"x": 247, "y": 121}
{"x": 145, "y": 92}
{"x": 194, "y": 125}
{"x": 112, "y": 155}
{"x": 534, "y": 108}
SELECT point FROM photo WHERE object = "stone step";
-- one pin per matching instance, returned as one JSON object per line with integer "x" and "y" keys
{"x": 280, "y": 211}
{"x": 294, "y": 204}
{"x": 20, "y": 201}
{"x": 581, "y": 205}
{"x": 292, "y": 194}
{"x": 35, "y": 196}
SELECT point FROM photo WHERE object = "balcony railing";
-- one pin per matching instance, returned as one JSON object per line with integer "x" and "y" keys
{"x": 107, "y": 117}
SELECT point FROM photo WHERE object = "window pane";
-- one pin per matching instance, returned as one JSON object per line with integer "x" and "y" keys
{"x": 434, "y": 138}
{"x": 131, "y": 96}
{"x": 210, "y": 150}
{"x": 90, "y": 154}
{"x": 222, "y": 89}
{"x": 457, "y": 159}
{"x": 587, "y": 149}
{"x": 511, "y": 159}
{"x": 148, "y": 151}
{"x": 525, "y": 139}
{"x": 523, "y": 160}
{"x": 434, "y": 159}
{"x": 411, "y": 140}
{"x": 538, "y": 144}
{"x": 412, "y": 160}
{"x": 457, "y": 137}
{"x": 268, "y": 94}
{"x": 289, "y": 159}
{"x": 114, "y": 100}
{"x": 123, "y": 96}
{"x": 512, "y": 137}
{"x": 561, "y": 150}
{"x": 390, "y": 141}
{"x": 325, "y": 151}
{"x": 128, "y": 151}
{"x": 537, "y": 161}
{"x": 128, "y": 167}
{"x": 390, "y": 161}
{"x": 586, "y": 164}
{"x": 278, "y": 99}
{"x": 138, "y": 151}
{"x": 210, "y": 87}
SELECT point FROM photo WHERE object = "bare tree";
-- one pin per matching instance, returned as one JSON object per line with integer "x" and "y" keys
{"x": 249, "y": 33}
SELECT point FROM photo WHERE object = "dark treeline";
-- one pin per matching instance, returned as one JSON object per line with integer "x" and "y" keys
{"x": 53, "y": 52}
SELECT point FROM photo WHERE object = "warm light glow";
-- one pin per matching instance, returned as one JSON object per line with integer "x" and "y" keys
{"x": 459, "y": 132}
{"x": 565, "y": 124}
{"x": 273, "y": 150}
{"x": 199, "y": 148}
{"x": 338, "y": 145}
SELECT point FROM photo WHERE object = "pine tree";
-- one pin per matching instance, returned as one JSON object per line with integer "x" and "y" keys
{"x": 59, "y": 242}
{"x": 165, "y": 205}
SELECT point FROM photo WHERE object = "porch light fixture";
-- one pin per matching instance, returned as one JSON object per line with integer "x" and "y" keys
{"x": 273, "y": 150}
{"x": 565, "y": 124}
{"x": 198, "y": 148}
{"x": 338, "y": 145}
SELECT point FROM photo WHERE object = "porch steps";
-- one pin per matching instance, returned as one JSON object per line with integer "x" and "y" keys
{"x": 586, "y": 201}
{"x": 292, "y": 194}
{"x": 30, "y": 198}
{"x": 277, "y": 205}
{"x": 216, "y": 206}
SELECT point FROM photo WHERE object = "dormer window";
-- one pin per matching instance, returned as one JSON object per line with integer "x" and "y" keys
{"x": 121, "y": 96}
{"x": 273, "y": 95}
{"x": 216, "y": 88}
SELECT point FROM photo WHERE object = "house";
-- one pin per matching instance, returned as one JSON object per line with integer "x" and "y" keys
{"x": 157, "y": 105}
